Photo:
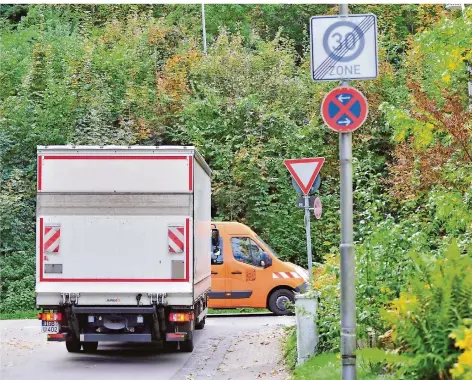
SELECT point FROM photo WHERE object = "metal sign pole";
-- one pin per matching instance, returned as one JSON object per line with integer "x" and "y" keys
{"x": 204, "y": 30}
{"x": 308, "y": 236}
{"x": 348, "y": 291}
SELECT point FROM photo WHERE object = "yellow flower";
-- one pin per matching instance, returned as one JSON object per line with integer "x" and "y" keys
{"x": 466, "y": 342}
{"x": 452, "y": 66}
{"x": 317, "y": 285}
{"x": 463, "y": 368}
{"x": 446, "y": 78}
{"x": 457, "y": 370}
{"x": 465, "y": 358}
{"x": 400, "y": 135}
{"x": 404, "y": 304}
{"x": 427, "y": 286}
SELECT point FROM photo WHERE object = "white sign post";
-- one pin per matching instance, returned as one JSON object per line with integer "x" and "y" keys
{"x": 344, "y": 47}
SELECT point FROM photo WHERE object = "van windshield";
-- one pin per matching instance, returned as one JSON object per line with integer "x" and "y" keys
{"x": 267, "y": 246}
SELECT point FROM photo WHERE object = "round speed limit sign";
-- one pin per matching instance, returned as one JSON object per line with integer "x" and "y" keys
{"x": 344, "y": 47}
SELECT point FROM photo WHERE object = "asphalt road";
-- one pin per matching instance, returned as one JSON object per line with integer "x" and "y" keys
{"x": 250, "y": 346}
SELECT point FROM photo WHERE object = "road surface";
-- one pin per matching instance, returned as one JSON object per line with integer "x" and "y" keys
{"x": 228, "y": 348}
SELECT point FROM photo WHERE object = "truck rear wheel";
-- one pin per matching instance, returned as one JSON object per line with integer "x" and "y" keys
{"x": 280, "y": 300}
{"x": 170, "y": 346}
{"x": 90, "y": 347}
{"x": 200, "y": 325}
{"x": 73, "y": 346}
{"x": 187, "y": 345}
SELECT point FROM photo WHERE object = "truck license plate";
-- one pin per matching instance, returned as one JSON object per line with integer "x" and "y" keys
{"x": 50, "y": 327}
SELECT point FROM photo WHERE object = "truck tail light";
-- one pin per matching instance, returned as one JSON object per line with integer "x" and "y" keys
{"x": 180, "y": 317}
{"x": 50, "y": 316}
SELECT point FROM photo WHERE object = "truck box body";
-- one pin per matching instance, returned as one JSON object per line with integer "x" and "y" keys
{"x": 109, "y": 223}
{"x": 117, "y": 226}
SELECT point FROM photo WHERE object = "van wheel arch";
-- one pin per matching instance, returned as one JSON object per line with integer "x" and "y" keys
{"x": 280, "y": 287}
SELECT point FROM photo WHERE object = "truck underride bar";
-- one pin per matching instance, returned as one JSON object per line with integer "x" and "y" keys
{"x": 112, "y": 309}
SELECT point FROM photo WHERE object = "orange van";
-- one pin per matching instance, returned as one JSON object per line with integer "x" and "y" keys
{"x": 246, "y": 272}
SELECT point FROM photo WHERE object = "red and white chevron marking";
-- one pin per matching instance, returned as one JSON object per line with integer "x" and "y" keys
{"x": 175, "y": 237}
{"x": 52, "y": 236}
{"x": 286, "y": 275}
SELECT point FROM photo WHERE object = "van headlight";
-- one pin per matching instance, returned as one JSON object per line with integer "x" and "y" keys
{"x": 303, "y": 273}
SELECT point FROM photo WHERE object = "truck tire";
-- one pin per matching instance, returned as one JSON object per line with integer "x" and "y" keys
{"x": 90, "y": 347}
{"x": 73, "y": 346}
{"x": 200, "y": 325}
{"x": 279, "y": 299}
{"x": 170, "y": 346}
{"x": 187, "y": 345}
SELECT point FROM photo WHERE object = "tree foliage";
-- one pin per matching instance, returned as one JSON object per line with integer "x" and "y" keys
{"x": 136, "y": 74}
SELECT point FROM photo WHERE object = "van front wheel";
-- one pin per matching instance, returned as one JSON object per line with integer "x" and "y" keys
{"x": 280, "y": 302}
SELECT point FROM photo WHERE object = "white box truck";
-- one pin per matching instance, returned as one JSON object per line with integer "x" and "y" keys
{"x": 123, "y": 244}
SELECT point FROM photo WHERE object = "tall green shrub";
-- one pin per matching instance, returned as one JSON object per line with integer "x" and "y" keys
{"x": 438, "y": 299}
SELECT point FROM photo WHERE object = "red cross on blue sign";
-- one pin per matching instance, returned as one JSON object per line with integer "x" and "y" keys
{"x": 344, "y": 109}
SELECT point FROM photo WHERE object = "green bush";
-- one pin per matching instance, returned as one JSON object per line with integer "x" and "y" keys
{"x": 18, "y": 298}
{"x": 384, "y": 264}
{"x": 28, "y": 314}
{"x": 326, "y": 286}
{"x": 438, "y": 299}
{"x": 17, "y": 273}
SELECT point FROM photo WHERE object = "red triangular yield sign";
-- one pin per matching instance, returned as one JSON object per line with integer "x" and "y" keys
{"x": 304, "y": 171}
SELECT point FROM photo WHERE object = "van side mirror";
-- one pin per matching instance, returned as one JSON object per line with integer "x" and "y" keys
{"x": 266, "y": 261}
{"x": 215, "y": 237}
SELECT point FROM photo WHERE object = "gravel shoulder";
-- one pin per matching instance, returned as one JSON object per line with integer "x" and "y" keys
{"x": 255, "y": 356}
{"x": 18, "y": 340}
{"x": 241, "y": 356}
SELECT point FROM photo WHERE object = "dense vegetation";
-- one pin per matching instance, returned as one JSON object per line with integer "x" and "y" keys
{"x": 136, "y": 74}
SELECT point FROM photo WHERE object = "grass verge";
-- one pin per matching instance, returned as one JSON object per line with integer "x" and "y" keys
{"x": 29, "y": 314}
{"x": 290, "y": 352}
{"x": 327, "y": 366}
{"x": 234, "y": 311}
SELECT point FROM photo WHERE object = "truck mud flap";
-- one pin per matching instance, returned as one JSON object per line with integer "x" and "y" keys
{"x": 115, "y": 338}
